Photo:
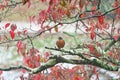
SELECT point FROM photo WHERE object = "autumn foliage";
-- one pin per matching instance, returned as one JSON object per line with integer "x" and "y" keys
{"x": 96, "y": 19}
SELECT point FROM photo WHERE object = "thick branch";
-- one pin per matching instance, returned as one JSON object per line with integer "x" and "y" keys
{"x": 59, "y": 59}
{"x": 84, "y": 60}
{"x": 16, "y": 67}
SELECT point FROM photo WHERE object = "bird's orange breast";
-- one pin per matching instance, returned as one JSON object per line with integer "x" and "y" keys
{"x": 60, "y": 43}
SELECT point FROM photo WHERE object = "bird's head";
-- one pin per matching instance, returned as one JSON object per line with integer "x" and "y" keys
{"x": 60, "y": 38}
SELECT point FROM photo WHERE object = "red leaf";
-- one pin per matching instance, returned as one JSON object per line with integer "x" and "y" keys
{"x": 110, "y": 53}
{"x": 118, "y": 30}
{"x": 43, "y": 0}
{"x": 77, "y": 78}
{"x": 91, "y": 48}
{"x": 47, "y": 54}
{"x": 116, "y": 4}
{"x": 19, "y": 45}
{"x": 116, "y": 37}
{"x": 6, "y": 25}
{"x": 93, "y": 8}
{"x": 13, "y": 27}
{"x": 54, "y": 1}
{"x": 49, "y": 78}
{"x": 37, "y": 77}
{"x": 50, "y": 2}
{"x": 33, "y": 51}
{"x": 38, "y": 57}
{"x": 95, "y": 72}
{"x": 105, "y": 26}
{"x": 6, "y": 2}
{"x": 37, "y": 64}
{"x": 92, "y": 35}
{"x": 31, "y": 18}
{"x": 23, "y": 70}
{"x": 19, "y": 33}
{"x": 42, "y": 17}
{"x": 29, "y": 3}
{"x": 24, "y": 31}
{"x": 12, "y": 34}
{"x": 1, "y": 72}
{"x": 31, "y": 65}
{"x": 99, "y": 26}
{"x": 2, "y": 7}
{"x": 27, "y": 60}
{"x": 101, "y": 19}
{"x": 118, "y": 16}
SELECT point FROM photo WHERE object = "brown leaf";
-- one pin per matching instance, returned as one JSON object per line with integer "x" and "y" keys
{"x": 56, "y": 28}
{"x": 68, "y": 13}
{"x": 82, "y": 15}
{"x": 24, "y": 1}
{"x": 63, "y": 3}
{"x": 81, "y": 3}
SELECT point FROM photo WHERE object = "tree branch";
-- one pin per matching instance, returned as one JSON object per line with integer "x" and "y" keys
{"x": 16, "y": 67}
{"x": 84, "y": 60}
{"x": 32, "y": 37}
{"x": 59, "y": 59}
{"x": 77, "y": 18}
{"x": 111, "y": 44}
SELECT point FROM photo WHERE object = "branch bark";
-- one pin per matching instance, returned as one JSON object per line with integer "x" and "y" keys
{"x": 59, "y": 59}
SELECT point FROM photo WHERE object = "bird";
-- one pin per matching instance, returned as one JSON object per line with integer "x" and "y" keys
{"x": 60, "y": 43}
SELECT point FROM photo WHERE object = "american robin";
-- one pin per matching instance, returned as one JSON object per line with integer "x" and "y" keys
{"x": 60, "y": 43}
